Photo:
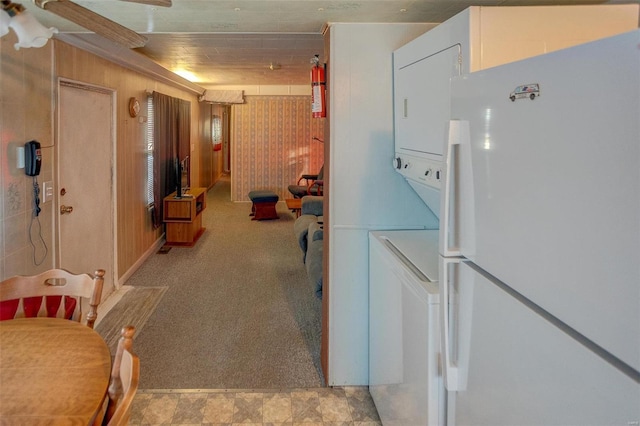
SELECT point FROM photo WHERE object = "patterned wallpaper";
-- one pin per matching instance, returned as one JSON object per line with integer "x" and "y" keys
{"x": 271, "y": 144}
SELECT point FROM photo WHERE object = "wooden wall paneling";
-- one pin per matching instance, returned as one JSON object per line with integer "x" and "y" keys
{"x": 25, "y": 114}
{"x": 135, "y": 234}
{"x": 206, "y": 152}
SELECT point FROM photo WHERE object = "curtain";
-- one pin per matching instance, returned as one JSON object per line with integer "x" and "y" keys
{"x": 172, "y": 118}
{"x": 184, "y": 132}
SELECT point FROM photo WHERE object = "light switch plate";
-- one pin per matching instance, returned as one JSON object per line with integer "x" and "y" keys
{"x": 47, "y": 192}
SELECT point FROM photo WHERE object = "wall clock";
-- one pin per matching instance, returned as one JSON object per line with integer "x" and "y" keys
{"x": 134, "y": 107}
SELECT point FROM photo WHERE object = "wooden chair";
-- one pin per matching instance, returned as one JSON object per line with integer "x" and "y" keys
{"x": 314, "y": 185}
{"x": 22, "y": 296}
{"x": 125, "y": 376}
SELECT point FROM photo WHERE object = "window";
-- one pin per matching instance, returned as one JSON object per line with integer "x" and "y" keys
{"x": 150, "y": 148}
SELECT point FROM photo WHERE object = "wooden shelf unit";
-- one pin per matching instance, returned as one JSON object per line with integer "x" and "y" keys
{"x": 183, "y": 217}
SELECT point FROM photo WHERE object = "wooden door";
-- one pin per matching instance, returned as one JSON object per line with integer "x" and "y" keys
{"x": 86, "y": 236}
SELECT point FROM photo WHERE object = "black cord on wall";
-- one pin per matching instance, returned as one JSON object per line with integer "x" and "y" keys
{"x": 36, "y": 218}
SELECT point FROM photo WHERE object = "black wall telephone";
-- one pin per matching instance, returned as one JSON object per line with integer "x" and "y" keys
{"x": 32, "y": 158}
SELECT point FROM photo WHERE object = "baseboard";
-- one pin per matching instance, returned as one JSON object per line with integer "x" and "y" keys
{"x": 151, "y": 250}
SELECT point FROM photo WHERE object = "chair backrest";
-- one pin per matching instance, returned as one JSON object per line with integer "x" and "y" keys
{"x": 129, "y": 377}
{"x": 125, "y": 374}
{"x": 23, "y": 295}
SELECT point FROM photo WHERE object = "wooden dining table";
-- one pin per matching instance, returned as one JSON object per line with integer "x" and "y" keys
{"x": 52, "y": 371}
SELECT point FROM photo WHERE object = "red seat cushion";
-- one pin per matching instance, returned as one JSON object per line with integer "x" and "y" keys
{"x": 8, "y": 308}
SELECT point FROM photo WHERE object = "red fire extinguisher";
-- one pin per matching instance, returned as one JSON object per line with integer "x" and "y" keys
{"x": 318, "y": 87}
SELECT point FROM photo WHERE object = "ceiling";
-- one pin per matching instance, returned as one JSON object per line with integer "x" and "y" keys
{"x": 254, "y": 42}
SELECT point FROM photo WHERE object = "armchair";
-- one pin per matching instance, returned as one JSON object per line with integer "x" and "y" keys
{"x": 309, "y": 232}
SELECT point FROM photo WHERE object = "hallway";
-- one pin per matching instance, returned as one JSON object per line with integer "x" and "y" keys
{"x": 230, "y": 252}
{"x": 237, "y": 311}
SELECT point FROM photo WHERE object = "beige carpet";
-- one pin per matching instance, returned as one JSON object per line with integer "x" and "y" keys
{"x": 239, "y": 311}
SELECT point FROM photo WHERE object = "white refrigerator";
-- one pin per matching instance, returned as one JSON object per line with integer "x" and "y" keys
{"x": 540, "y": 240}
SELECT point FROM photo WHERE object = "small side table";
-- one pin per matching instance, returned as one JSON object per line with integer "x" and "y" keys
{"x": 183, "y": 217}
{"x": 294, "y": 204}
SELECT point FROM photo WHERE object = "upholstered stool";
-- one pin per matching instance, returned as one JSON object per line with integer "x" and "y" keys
{"x": 263, "y": 205}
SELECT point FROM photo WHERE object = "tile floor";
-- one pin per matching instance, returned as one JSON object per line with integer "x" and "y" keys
{"x": 304, "y": 407}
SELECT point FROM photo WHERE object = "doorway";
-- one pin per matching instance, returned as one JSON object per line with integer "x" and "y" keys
{"x": 214, "y": 151}
{"x": 86, "y": 180}
{"x": 226, "y": 138}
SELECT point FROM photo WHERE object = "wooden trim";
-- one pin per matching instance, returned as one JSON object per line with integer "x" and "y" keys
{"x": 324, "y": 344}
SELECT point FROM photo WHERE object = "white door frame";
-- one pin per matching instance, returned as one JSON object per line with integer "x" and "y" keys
{"x": 113, "y": 200}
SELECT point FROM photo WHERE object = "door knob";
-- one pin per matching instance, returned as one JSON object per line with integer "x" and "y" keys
{"x": 65, "y": 209}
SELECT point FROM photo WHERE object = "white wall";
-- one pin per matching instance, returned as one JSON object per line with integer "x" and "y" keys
{"x": 365, "y": 192}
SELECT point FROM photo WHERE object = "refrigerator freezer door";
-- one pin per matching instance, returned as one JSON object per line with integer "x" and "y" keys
{"x": 522, "y": 370}
{"x": 555, "y": 187}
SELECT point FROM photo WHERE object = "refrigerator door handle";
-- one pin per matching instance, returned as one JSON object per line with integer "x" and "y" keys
{"x": 449, "y": 369}
{"x": 458, "y": 131}
{"x": 456, "y": 310}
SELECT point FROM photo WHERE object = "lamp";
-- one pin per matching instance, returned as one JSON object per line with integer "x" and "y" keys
{"x": 30, "y": 32}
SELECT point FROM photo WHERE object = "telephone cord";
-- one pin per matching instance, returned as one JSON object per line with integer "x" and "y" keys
{"x": 36, "y": 217}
